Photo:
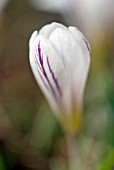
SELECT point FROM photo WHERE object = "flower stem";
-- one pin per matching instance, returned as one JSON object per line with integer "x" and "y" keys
{"x": 71, "y": 151}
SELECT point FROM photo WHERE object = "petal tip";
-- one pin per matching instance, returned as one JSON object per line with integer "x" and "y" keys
{"x": 32, "y": 38}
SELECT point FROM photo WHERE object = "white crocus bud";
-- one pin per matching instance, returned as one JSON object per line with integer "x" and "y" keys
{"x": 60, "y": 59}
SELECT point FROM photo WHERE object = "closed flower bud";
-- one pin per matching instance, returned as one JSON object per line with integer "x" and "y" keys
{"x": 60, "y": 59}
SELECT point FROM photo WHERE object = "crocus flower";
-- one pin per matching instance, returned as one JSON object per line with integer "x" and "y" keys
{"x": 60, "y": 59}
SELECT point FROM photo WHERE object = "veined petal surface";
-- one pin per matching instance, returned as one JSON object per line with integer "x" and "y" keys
{"x": 60, "y": 59}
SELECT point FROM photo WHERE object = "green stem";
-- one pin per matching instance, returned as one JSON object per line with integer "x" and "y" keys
{"x": 71, "y": 149}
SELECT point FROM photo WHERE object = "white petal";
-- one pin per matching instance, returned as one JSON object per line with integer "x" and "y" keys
{"x": 80, "y": 38}
{"x": 70, "y": 53}
{"x": 56, "y": 67}
{"x": 32, "y": 38}
{"x": 85, "y": 48}
{"x": 74, "y": 59}
{"x": 48, "y": 29}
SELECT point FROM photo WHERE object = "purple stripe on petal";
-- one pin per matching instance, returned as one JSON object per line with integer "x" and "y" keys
{"x": 87, "y": 44}
{"x": 37, "y": 63}
{"x": 54, "y": 78}
{"x": 42, "y": 79}
{"x": 44, "y": 72}
{"x": 40, "y": 69}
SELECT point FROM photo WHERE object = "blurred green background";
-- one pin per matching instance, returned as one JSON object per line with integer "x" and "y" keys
{"x": 30, "y": 136}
